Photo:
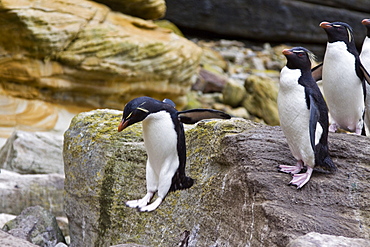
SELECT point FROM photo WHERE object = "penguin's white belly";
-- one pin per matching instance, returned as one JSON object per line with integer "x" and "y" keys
{"x": 342, "y": 88}
{"x": 160, "y": 140}
{"x": 294, "y": 117}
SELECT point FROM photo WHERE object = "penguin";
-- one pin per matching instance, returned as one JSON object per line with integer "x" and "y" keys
{"x": 164, "y": 141}
{"x": 365, "y": 60}
{"x": 303, "y": 117}
{"x": 343, "y": 79}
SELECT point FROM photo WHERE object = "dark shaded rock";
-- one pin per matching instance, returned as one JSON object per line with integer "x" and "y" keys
{"x": 146, "y": 9}
{"x": 33, "y": 153}
{"x": 37, "y": 226}
{"x": 268, "y": 20}
{"x": 239, "y": 198}
{"x": 314, "y": 239}
{"x": 209, "y": 82}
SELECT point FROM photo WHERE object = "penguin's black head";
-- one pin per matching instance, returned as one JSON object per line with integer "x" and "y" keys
{"x": 298, "y": 58}
{"x": 338, "y": 31}
{"x": 135, "y": 111}
{"x": 366, "y": 23}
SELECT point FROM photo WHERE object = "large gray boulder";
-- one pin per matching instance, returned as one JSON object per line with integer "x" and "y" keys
{"x": 268, "y": 20}
{"x": 33, "y": 153}
{"x": 239, "y": 198}
{"x": 18, "y": 192}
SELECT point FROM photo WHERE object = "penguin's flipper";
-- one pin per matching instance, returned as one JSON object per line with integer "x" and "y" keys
{"x": 366, "y": 74}
{"x": 170, "y": 102}
{"x": 314, "y": 118}
{"x": 317, "y": 72}
{"x": 194, "y": 115}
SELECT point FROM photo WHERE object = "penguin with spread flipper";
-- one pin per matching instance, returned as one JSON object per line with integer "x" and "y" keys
{"x": 164, "y": 141}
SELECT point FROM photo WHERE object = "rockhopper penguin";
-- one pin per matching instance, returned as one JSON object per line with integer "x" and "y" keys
{"x": 164, "y": 141}
{"x": 343, "y": 79}
{"x": 303, "y": 117}
{"x": 365, "y": 60}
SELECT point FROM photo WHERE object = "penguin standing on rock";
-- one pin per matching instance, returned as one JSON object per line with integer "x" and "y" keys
{"x": 303, "y": 117}
{"x": 164, "y": 141}
{"x": 365, "y": 60}
{"x": 343, "y": 79}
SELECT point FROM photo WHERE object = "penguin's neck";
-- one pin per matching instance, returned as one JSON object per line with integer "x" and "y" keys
{"x": 157, "y": 129}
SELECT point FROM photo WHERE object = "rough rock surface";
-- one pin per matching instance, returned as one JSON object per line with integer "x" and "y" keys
{"x": 239, "y": 197}
{"x": 82, "y": 53}
{"x": 33, "y": 153}
{"x": 8, "y": 240}
{"x": 36, "y": 225}
{"x": 18, "y": 192}
{"x": 146, "y": 9}
{"x": 314, "y": 239}
{"x": 261, "y": 98}
{"x": 268, "y": 20}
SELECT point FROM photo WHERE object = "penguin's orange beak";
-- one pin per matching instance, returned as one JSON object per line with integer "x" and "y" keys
{"x": 287, "y": 52}
{"x": 325, "y": 24}
{"x": 365, "y": 22}
{"x": 122, "y": 125}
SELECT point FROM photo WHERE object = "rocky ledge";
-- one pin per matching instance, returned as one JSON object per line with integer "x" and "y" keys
{"x": 239, "y": 198}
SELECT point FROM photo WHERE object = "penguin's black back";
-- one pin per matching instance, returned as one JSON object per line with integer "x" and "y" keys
{"x": 180, "y": 181}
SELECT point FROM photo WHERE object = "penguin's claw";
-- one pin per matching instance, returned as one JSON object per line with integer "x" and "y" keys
{"x": 136, "y": 203}
{"x": 141, "y": 202}
{"x": 292, "y": 169}
{"x": 152, "y": 206}
{"x": 333, "y": 127}
{"x": 301, "y": 179}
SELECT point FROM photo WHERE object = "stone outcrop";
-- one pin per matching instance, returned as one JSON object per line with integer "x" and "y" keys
{"x": 36, "y": 225}
{"x": 9, "y": 240}
{"x": 239, "y": 197}
{"x": 33, "y": 153}
{"x": 82, "y": 53}
{"x": 268, "y": 20}
{"x": 18, "y": 192}
{"x": 145, "y": 9}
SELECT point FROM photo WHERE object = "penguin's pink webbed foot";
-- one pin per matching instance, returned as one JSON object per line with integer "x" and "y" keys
{"x": 301, "y": 179}
{"x": 292, "y": 169}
